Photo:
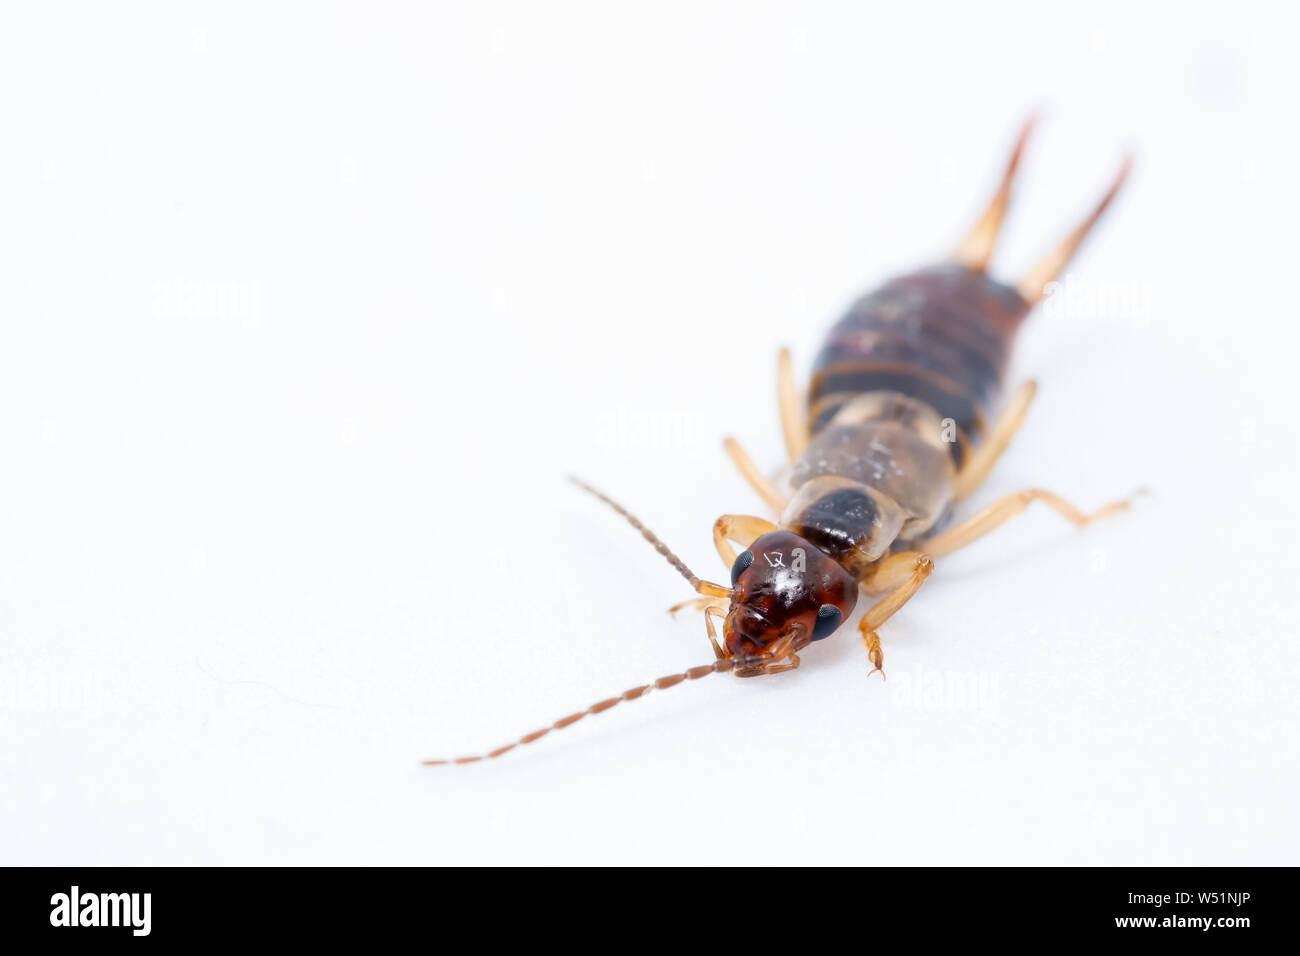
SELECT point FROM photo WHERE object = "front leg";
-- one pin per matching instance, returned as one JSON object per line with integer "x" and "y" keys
{"x": 743, "y": 529}
{"x": 921, "y": 566}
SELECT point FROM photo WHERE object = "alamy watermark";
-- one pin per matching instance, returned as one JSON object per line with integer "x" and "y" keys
{"x": 51, "y": 690}
{"x": 979, "y": 691}
{"x": 1071, "y": 298}
{"x": 637, "y": 429}
{"x": 182, "y": 298}
{"x": 76, "y": 908}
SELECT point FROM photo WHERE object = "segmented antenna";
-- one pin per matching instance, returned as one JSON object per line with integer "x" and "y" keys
{"x": 720, "y": 666}
{"x": 646, "y": 533}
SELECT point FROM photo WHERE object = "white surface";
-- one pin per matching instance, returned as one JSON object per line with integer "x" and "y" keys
{"x": 305, "y": 314}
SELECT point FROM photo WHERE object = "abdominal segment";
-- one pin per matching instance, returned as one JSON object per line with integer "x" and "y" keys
{"x": 941, "y": 336}
{"x": 901, "y": 394}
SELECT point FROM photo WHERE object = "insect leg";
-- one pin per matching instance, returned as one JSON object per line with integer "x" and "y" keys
{"x": 757, "y": 480}
{"x": 1003, "y": 510}
{"x": 694, "y": 604}
{"x": 711, "y": 608}
{"x": 917, "y": 565}
{"x": 976, "y": 249}
{"x": 709, "y": 613}
{"x": 981, "y": 463}
{"x": 744, "y": 529}
{"x": 793, "y": 424}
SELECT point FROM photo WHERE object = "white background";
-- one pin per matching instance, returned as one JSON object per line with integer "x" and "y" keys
{"x": 306, "y": 311}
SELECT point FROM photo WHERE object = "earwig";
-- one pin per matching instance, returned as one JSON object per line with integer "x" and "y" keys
{"x": 894, "y": 435}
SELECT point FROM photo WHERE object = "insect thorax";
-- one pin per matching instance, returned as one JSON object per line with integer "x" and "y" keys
{"x": 879, "y": 471}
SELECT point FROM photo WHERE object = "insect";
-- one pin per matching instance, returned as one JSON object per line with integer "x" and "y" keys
{"x": 895, "y": 433}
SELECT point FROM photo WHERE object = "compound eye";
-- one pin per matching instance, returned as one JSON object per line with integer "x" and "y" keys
{"x": 743, "y": 560}
{"x": 828, "y": 620}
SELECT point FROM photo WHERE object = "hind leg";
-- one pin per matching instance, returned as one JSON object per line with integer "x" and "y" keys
{"x": 896, "y": 569}
{"x": 979, "y": 465}
{"x": 1004, "y": 509}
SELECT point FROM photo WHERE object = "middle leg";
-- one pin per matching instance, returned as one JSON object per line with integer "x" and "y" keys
{"x": 793, "y": 424}
{"x": 794, "y": 427}
{"x": 754, "y": 475}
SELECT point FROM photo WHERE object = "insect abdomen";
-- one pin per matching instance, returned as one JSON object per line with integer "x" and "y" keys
{"x": 901, "y": 393}
{"x": 940, "y": 336}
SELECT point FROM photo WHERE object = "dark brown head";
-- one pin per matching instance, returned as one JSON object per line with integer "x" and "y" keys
{"x": 785, "y": 586}
{"x": 785, "y": 594}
